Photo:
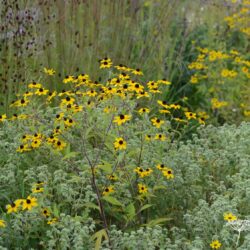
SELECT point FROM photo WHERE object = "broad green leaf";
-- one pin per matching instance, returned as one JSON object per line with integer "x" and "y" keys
{"x": 112, "y": 200}
{"x": 130, "y": 211}
{"x": 145, "y": 207}
{"x": 70, "y": 155}
{"x": 158, "y": 221}
{"x": 159, "y": 187}
{"x": 91, "y": 205}
{"x": 98, "y": 238}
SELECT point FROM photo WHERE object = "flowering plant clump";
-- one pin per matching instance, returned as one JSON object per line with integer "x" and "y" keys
{"x": 98, "y": 154}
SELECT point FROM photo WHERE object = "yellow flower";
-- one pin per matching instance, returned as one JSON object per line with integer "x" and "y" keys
{"x": 42, "y": 91}
{"x": 23, "y": 148}
{"x": 13, "y": 207}
{"x": 37, "y": 190}
{"x": 68, "y": 122}
{"x": 160, "y": 137}
{"x": 105, "y": 63}
{"x": 229, "y": 217}
{"x": 190, "y": 115}
{"x": 142, "y": 111}
{"x": 157, "y": 122}
{"x": 59, "y": 145}
{"x": 34, "y": 85}
{"x": 2, "y": 223}
{"x": 168, "y": 173}
{"x": 142, "y": 189}
{"x": 161, "y": 167}
{"x": 163, "y": 104}
{"x": 36, "y": 143}
{"x": 52, "y": 221}
{"x": 120, "y": 119}
{"x": 137, "y": 72}
{"x": 68, "y": 79}
{"x": 108, "y": 190}
{"x": 143, "y": 172}
{"x": 3, "y": 117}
{"x": 148, "y": 137}
{"x": 49, "y": 72}
{"x": 112, "y": 177}
{"x": 120, "y": 144}
{"x": 163, "y": 81}
{"x": 45, "y": 212}
{"x": 215, "y": 244}
{"x": 194, "y": 79}
{"x": 29, "y": 203}
{"x": 51, "y": 96}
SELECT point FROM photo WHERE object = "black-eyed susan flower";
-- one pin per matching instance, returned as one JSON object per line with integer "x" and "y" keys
{"x": 49, "y": 72}
{"x": 68, "y": 79}
{"x": 37, "y": 189}
{"x": 163, "y": 104}
{"x": 91, "y": 93}
{"x": 35, "y": 85}
{"x": 154, "y": 90}
{"x": 229, "y": 217}
{"x": 2, "y": 223}
{"x": 168, "y": 173}
{"x": 152, "y": 84}
{"x": 174, "y": 106}
{"x": 157, "y": 122}
{"x": 148, "y": 137}
{"x": 28, "y": 93}
{"x": 137, "y": 72}
{"x": 164, "y": 111}
{"x": 68, "y": 100}
{"x": 215, "y": 244}
{"x": 143, "y": 172}
{"x": 36, "y": 143}
{"x": 124, "y": 76}
{"x": 180, "y": 120}
{"x": 120, "y": 119}
{"x": 142, "y": 111}
{"x": 20, "y": 103}
{"x": 142, "y": 189}
{"x": 29, "y": 203}
{"x": 51, "y": 95}
{"x": 3, "y": 117}
{"x": 41, "y": 91}
{"x": 112, "y": 177}
{"x": 142, "y": 94}
{"x": 59, "y": 116}
{"x": 122, "y": 67}
{"x": 161, "y": 167}
{"x": 160, "y": 137}
{"x": 69, "y": 122}
{"x": 105, "y": 63}
{"x": 120, "y": 144}
{"x": 108, "y": 190}
{"x": 13, "y": 207}
{"x": 190, "y": 115}
{"x": 164, "y": 81}
{"x": 59, "y": 145}
{"x": 23, "y": 148}
{"x": 45, "y": 212}
{"x": 52, "y": 221}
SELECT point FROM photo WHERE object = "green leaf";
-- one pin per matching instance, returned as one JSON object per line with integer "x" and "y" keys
{"x": 112, "y": 201}
{"x": 145, "y": 207}
{"x": 130, "y": 211}
{"x": 159, "y": 187}
{"x": 158, "y": 221}
{"x": 98, "y": 238}
{"x": 70, "y": 155}
{"x": 91, "y": 205}
{"x": 107, "y": 167}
